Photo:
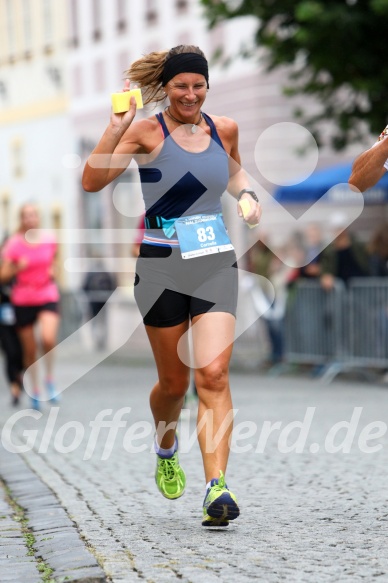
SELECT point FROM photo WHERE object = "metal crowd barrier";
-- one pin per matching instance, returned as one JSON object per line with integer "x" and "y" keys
{"x": 368, "y": 326}
{"x": 343, "y": 329}
{"x": 249, "y": 351}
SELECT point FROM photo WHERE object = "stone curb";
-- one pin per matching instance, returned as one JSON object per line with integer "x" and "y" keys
{"x": 57, "y": 540}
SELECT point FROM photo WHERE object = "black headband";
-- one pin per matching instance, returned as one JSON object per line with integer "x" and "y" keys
{"x": 185, "y": 63}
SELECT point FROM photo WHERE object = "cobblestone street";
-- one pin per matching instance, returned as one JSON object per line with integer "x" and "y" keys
{"x": 319, "y": 515}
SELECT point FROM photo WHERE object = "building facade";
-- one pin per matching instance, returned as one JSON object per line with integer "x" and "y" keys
{"x": 36, "y": 138}
{"x": 59, "y": 62}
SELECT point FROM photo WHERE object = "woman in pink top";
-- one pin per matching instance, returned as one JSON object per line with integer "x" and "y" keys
{"x": 34, "y": 295}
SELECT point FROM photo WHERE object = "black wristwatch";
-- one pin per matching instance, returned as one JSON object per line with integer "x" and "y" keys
{"x": 249, "y": 191}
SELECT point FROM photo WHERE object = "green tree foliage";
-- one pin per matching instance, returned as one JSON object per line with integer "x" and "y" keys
{"x": 336, "y": 50}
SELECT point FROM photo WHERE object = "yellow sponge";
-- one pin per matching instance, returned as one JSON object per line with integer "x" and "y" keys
{"x": 246, "y": 207}
{"x": 120, "y": 101}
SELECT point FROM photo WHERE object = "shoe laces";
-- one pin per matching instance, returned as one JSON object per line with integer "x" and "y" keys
{"x": 219, "y": 484}
{"x": 169, "y": 466}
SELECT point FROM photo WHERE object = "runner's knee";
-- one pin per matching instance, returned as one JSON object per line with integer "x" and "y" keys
{"x": 213, "y": 378}
{"x": 175, "y": 386}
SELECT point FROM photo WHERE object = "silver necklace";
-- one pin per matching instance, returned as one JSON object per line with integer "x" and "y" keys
{"x": 194, "y": 126}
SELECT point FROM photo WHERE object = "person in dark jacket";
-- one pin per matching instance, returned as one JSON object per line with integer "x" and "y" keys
{"x": 345, "y": 257}
{"x": 378, "y": 252}
{"x": 98, "y": 286}
{"x": 10, "y": 345}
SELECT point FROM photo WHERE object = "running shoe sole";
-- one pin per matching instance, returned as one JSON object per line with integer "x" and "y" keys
{"x": 221, "y": 511}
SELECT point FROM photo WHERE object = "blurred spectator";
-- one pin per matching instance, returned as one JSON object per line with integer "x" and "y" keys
{"x": 98, "y": 286}
{"x": 34, "y": 295}
{"x": 259, "y": 261}
{"x": 313, "y": 245}
{"x": 260, "y": 258}
{"x": 378, "y": 252}
{"x": 345, "y": 257}
{"x": 10, "y": 344}
{"x": 282, "y": 273}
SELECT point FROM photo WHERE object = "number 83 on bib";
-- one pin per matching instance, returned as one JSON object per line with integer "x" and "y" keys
{"x": 202, "y": 235}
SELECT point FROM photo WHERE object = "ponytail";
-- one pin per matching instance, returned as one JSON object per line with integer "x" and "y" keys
{"x": 147, "y": 74}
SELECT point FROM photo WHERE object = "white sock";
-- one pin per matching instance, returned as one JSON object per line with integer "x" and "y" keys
{"x": 166, "y": 453}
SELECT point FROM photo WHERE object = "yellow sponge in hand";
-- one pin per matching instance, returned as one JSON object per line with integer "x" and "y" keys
{"x": 120, "y": 101}
{"x": 246, "y": 207}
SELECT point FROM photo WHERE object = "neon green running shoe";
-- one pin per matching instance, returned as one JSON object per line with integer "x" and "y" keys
{"x": 170, "y": 477}
{"x": 220, "y": 504}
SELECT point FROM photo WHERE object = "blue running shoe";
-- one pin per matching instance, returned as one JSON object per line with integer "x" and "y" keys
{"x": 51, "y": 392}
{"x": 35, "y": 403}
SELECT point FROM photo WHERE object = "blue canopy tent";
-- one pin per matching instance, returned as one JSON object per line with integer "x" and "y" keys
{"x": 319, "y": 182}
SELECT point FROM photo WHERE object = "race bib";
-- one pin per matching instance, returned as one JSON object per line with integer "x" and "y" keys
{"x": 202, "y": 235}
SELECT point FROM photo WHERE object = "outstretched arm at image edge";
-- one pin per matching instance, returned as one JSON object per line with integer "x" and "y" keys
{"x": 368, "y": 168}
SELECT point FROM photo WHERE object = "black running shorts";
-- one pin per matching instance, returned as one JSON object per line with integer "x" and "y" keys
{"x": 27, "y": 315}
{"x": 169, "y": 289}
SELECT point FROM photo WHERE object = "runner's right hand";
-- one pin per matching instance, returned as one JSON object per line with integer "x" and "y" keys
{"x": 122, "y": 121}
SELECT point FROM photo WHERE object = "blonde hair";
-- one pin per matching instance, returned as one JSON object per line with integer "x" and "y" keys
{"x": 147, "y": 72}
